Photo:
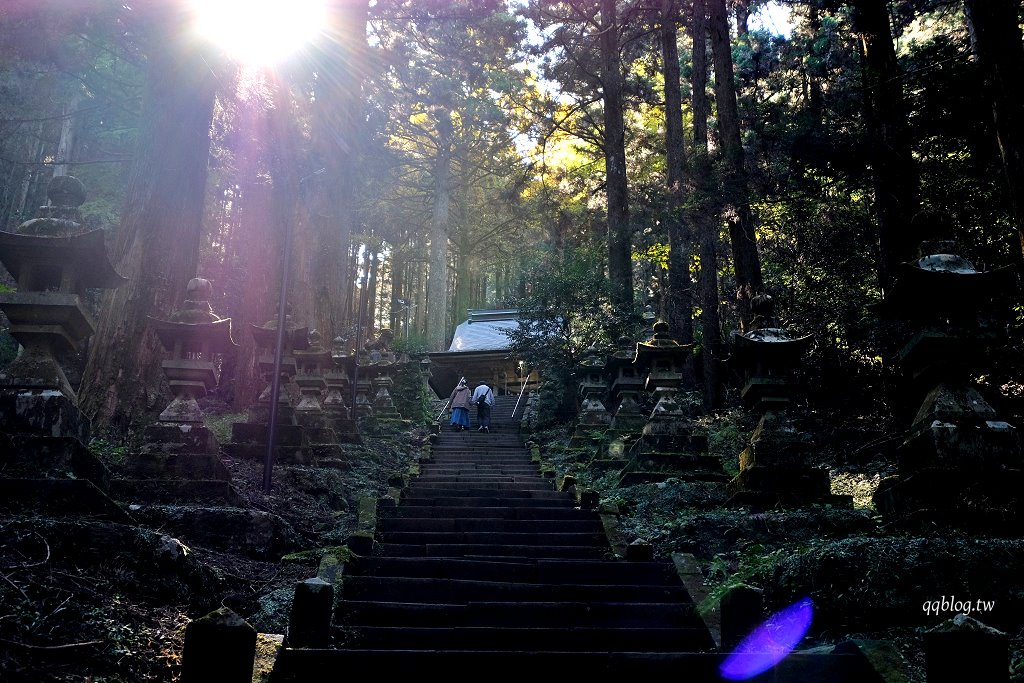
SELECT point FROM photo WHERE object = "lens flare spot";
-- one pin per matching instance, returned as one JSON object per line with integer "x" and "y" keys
{"x": 769, "y": 643}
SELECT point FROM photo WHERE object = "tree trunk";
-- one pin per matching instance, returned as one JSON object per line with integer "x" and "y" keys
{"x": 338, "y": 134}
{"x": 746, "y": 261}
{"x": 158, "y": 242}
{"x": 371, "y": 292}
{"x": 895, "y": 178}
{"x": 437, "y": 283}
{"x": 704, "y": 213}
{"x": 620, "y": 262}
{"x": 260, "y": 252}
{"x": 742, "y": 17}
{"x": 679, "y": 302}
{"x": 65, "y": 147}
{"x": 996, "y": 37}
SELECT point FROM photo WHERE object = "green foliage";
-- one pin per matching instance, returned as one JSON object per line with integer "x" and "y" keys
{"x": 726, "y": 573}
{"x": 413, "y": 345}
{"x": 567, "y": 309}
{"x": 8, "y": 348}
{"x": 108, "y": 452}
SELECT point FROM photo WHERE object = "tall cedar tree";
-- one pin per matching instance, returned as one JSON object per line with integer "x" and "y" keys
{"x": 341, "y": 67}
{"x": 680, "y": 234}
{"x": 158, "y": 241}
{"x": 746, "y": 261}
{"x": 620, "y": 263}
{"x": 895, "y": 177}
{"x": 705, "y": 215}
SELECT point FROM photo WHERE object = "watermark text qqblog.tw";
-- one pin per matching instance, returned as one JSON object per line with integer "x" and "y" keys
{"x": 954, "y": 606}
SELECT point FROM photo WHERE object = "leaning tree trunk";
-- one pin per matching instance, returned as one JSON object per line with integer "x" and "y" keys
{"x": 620, "y": 262}
{"x": 746, "y": 261}
{"x": 679, "y": 302}
{"x": 704, "y": 212}
{"x": 895, "y": 178}
{"x": 158, "y": 241}
{"x": 996, "y": 37}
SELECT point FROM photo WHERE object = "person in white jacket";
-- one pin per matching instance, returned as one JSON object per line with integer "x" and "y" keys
{"x": 483, "y": 398}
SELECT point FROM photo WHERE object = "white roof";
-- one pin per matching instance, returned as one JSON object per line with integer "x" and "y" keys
{"x": 484, "y": 331}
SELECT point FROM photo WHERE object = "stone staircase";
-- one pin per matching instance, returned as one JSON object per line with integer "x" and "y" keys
{"x": 484, "y": 564}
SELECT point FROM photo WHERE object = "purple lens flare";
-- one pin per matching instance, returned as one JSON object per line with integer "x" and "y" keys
{"x": 769, "y": 643}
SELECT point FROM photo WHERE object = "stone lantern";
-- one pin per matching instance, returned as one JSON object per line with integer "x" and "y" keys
{"x": 311, "y": 365}
{"x": 295, "y": 338}
{"x": 338, "y": 378}
{"x": 590, "y": 372}
{"x": 959, "y": 464}
{"x": 625, "y": 385}
{"x": 668, "y": 446}
{"x": 179, "y": 447}
{"x": 664, "y": 360}
{"x": 769, "y": 358}
{"x": 54, "y": 261}
{"x": 591, "y": 390}
{"x": 193, "y": 335}
{"x": 773, "y": 468}
{"x": 383, "y": 404}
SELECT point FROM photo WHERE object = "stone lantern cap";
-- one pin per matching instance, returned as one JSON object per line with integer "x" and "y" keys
{"x": 194, "y": 328}
{"x": 937, "y": 284}
{"x": 53, "y": 252}
{"x": 622, "y": 355}
{"x": 593, "y": 360}
{"x": 295, "y": 338}
{"x": 40, "y": 262}
{"x": 770, "y": 344}
{"x": 314, "y": 358}
{"x": 212, "y": 337}
{"x": 660, "y": 346}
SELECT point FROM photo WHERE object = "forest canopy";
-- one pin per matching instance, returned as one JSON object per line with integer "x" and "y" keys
{"x": 600, "y": 163}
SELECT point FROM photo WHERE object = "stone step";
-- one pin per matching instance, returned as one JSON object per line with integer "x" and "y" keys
{"x": 477, "y": 452}
{"x": 471, "y": 468}
{"x": 454, "y": 525}
{"x": 488, "y": 550}
{"x": 593, "y": 538}
{"x": 538, "y": 639}
{"x": 454, "y": 460}
{"x": 493, "y": 499}
{"x": 304, "y": 665}
{"x": 451, "y": 590}
{"x": 420, "y": 485}
{"x": 523, "y": 614}
{"x": 408, "y": 510}
{"x": 521, "y": 571}
{"x": 547, "y": 493}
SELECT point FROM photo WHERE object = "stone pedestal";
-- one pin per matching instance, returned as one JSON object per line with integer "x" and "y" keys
{"x": 220, "y": 647}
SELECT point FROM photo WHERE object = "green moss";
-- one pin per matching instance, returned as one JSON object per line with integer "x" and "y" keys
{"x": 220, "y": 425}
{"x": 312, "y": 557}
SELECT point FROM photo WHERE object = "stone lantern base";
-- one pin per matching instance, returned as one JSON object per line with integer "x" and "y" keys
{"x": 44, "y": 412}
{"x": 773, "y": 471}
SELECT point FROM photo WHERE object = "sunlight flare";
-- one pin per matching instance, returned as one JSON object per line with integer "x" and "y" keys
{"x": 259, "y": 32}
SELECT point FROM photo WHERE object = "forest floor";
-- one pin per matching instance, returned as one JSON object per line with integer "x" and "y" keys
{"x": 75, "y": 617}
{"x": 70, "y": 616}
